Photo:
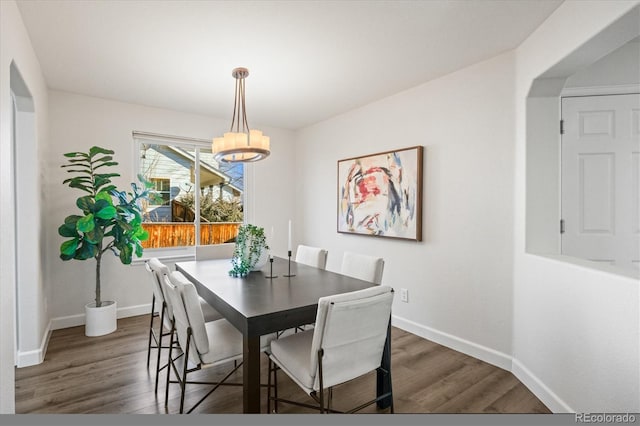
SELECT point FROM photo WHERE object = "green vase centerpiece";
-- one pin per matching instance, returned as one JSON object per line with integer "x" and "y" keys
{"x": 251, "y": 251}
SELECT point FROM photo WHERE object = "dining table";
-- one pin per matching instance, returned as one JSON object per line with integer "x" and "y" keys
{"x": 268, "y": 301}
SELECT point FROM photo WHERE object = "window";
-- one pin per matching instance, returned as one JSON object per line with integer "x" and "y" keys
{"x": 197, "y": 201}
{"x": 160, "y": 190}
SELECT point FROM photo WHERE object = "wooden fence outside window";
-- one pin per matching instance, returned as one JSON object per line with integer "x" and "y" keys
{"x": 176, "y": 234}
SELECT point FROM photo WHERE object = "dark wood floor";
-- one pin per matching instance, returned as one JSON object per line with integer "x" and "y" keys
{"x": 108, "y": 374}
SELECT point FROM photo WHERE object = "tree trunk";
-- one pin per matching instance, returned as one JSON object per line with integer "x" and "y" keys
{"x": 98, "y": 299}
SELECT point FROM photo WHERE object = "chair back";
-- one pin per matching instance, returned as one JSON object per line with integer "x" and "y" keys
{"x": 159, "y": 270}
{"x": 187, "y": 312}
{"x": 363, "y": 267}
{"x": 312, "y": 256}
{"x": 351, "y": 329}
{"x": 215, "y": 251}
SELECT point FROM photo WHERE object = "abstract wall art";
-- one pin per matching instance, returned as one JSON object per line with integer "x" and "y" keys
{"x": 381, "y": 194}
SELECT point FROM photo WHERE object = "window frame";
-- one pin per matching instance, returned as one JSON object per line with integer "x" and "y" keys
{"x": 186, "y": 143}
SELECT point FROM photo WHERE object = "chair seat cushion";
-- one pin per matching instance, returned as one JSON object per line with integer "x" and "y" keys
{"x": 210, "y": 314}
{"x": 293, "y": 352}
{"x": 225, "y": 342}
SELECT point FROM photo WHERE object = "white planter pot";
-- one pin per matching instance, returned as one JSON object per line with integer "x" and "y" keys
{"x": 262, "y": 260}
{"x": 102, "y": 320}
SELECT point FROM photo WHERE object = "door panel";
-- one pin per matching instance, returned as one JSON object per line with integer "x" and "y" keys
{"x": 600, "y": 179}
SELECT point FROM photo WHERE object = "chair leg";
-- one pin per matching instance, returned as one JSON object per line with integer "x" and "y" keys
{"x": 160, "y": 344}
{"x": 183, "y": 383}
{"x": 170, "y": 365}
{"x": 275, "y": 387}
{"x": 153, "y": 304}
{"x": 390, "y": 391}
{"x": 320, "y": 354}
{"x": 269, "y": 387}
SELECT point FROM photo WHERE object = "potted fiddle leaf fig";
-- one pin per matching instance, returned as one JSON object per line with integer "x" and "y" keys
{"x": 251, "y": 251}
{"x": 109, "y": 221}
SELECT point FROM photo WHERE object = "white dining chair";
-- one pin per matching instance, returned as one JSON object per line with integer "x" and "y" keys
{"x": 312, "y": 256}
{"x": 363, "y": 267}
{"x": 158, "y": 310}
{"x": 158, "y": 271}
{"x": 202, "y": 344}
{"x": 347, "y": 342}
{"x": 215, "y": 251}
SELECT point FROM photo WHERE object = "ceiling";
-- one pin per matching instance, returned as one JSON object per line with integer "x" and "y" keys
{"x": 308, "y": 60}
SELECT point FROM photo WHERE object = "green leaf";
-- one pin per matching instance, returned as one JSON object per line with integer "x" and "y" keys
{"x": 75, "y": 154}
{"x": 104, "y": 195}
{"x": 79, "y": 162}
{"x": 102, "y": 159}
{"x": 126, "y": 253}
{"x": 85, "y": 203}
{"x": 99, "y": 205}
{"x": 66, "y": 256}
{"x": 107, "y": 175}
{"x": 144, "y": 235}
{"x": 95, "y": 150}
{"x": 81, "y": 179}
{"x": 101, "y": 180}
{"x": 81, "y": 186}
{"x": 77, "y": 170}
{"x": 86, "y": 224}
{"x": 69, "y": 247}
{"x": 71, "y": 220}
{"x": 139, "y": 249}
{"x": 147, "y": 183}
{"x": 108, "y": 212}
{"x": 107, "y": 164}
{"x": 68, "y": 231}
{"x": 86, "y": 251}
{"x": 94, "y": 236}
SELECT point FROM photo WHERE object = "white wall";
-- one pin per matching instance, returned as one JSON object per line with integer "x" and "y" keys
{"x": 620, "y": 67}
{"x": 15, "y": 47}
{"x": 575, "y": 330}
{"x": 77, "y": 123}
{"x": 460, "y": 276}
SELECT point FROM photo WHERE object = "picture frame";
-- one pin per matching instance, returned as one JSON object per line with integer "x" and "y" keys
{"x": 381, "y": 194}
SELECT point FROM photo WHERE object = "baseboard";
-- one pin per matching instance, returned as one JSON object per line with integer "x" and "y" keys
{"x": 35, "y": 357}
{"x": 491, "y": 356}
{"x": 467, "y": 347}
{"x": 76, "y": 320}
{"x": 539, "y": 389}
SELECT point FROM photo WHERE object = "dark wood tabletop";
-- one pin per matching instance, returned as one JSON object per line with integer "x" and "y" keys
{"x": 257, "y": 305}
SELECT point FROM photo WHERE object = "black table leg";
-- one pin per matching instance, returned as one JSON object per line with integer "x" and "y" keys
{"x": 251, "y": 375}
{"x": 383, "y": 379}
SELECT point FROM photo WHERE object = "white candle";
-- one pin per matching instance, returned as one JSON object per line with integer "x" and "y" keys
{"x": 289, "y": 235}
{"x": 271, "y": 241}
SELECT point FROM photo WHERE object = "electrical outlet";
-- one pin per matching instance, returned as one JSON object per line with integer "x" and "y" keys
{"x": 404, "y": 295}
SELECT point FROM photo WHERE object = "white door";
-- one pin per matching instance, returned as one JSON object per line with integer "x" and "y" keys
{"x": 600, "y": 179}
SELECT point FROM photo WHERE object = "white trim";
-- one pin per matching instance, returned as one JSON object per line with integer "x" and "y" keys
{"x": 36, "y": 356}
{"x": 620, "y": 89}
{"x": 539, "y": 389}
{"x": 167, "y": 254}
{"x": 492, "y": 356}
{"x": 77, "y": 320}
{"x": 165, "y": 139}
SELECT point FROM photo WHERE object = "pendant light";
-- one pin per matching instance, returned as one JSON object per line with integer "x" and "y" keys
{"x": 240, "y": 144}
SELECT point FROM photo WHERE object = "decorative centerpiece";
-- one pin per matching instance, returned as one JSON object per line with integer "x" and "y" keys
{"x": 109, "y": 221}
{"x": 251, "y": 252}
